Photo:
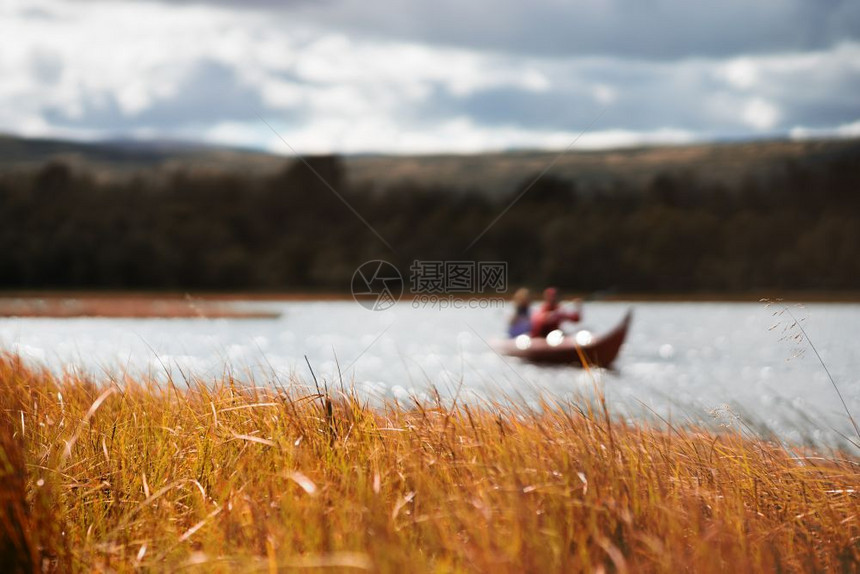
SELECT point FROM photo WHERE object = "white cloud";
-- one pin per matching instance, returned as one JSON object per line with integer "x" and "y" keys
{"x": 457, "y": 135}
{"x": 760, "y": 114}
{"x": 604, "y": 94}
{"x": 849, "y": 130}
{"x": 236, "y": 134}
{"x": 279, "y": 94}
{"x": 741, "y": 73}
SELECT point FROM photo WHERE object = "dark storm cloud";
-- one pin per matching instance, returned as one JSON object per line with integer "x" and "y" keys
{"x": 841, "y": 107}
{"x": 572, "y": 111}
{"x": 694, "y": 96}
{"x": 636, "y": 97}
{"x": 644, "y": 111}
{"x": 651, "y": 29}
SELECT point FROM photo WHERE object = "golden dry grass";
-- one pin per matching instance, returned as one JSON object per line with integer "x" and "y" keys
{"x": 132, "y": 475}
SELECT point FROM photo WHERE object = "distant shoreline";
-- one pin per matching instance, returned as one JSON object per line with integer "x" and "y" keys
{"x": 751, "y": 297}
{"x": 142, "y": 304}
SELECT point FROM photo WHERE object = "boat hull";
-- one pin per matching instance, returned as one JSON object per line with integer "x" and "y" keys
{"x": 600, "y": 352}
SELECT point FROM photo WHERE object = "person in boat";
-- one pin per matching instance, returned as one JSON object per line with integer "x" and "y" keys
{"x": 521, "y": 321}
{"x": 549, "y": 316}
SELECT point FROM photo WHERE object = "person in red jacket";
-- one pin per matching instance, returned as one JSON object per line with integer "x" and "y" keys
{"x": 549, "y": 316}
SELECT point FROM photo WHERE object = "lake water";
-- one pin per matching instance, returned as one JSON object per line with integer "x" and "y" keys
{"x": 684, "y": 361}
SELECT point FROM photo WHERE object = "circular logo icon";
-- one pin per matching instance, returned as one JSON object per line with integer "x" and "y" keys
{"x": 377, "y": 285}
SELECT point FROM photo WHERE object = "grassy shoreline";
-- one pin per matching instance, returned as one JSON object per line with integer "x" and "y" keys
{"x": 128, "y": 475}
{"x": 126, "y": 307}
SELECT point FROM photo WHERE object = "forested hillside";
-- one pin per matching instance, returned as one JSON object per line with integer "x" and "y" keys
{"x": 794, "y": 226}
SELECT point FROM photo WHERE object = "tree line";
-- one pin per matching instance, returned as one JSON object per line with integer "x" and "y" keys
{"x": 793, "y": 228}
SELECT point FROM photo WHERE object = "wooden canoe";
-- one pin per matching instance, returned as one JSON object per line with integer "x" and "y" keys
{"x": 600, "y": 351}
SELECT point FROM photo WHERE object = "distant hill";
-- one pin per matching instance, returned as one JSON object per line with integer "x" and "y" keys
{"x": 497, "y": 172}
{"x": 122, "y": 157}
{"x": 727, "y": 163}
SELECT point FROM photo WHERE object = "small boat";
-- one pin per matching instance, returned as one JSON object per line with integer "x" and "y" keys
{"x": 559, "y": 348}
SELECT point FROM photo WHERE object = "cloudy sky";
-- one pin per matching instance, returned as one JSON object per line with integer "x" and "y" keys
{"x": 430, "y": 75}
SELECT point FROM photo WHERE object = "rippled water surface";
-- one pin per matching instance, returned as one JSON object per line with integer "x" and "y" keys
{"x": 681, "y": 360}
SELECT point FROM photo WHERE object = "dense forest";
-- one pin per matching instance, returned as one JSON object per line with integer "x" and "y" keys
{"x": 797, "y": 227}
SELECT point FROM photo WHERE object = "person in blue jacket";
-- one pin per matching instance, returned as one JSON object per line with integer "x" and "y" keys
{"x": 521, "y": 320}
